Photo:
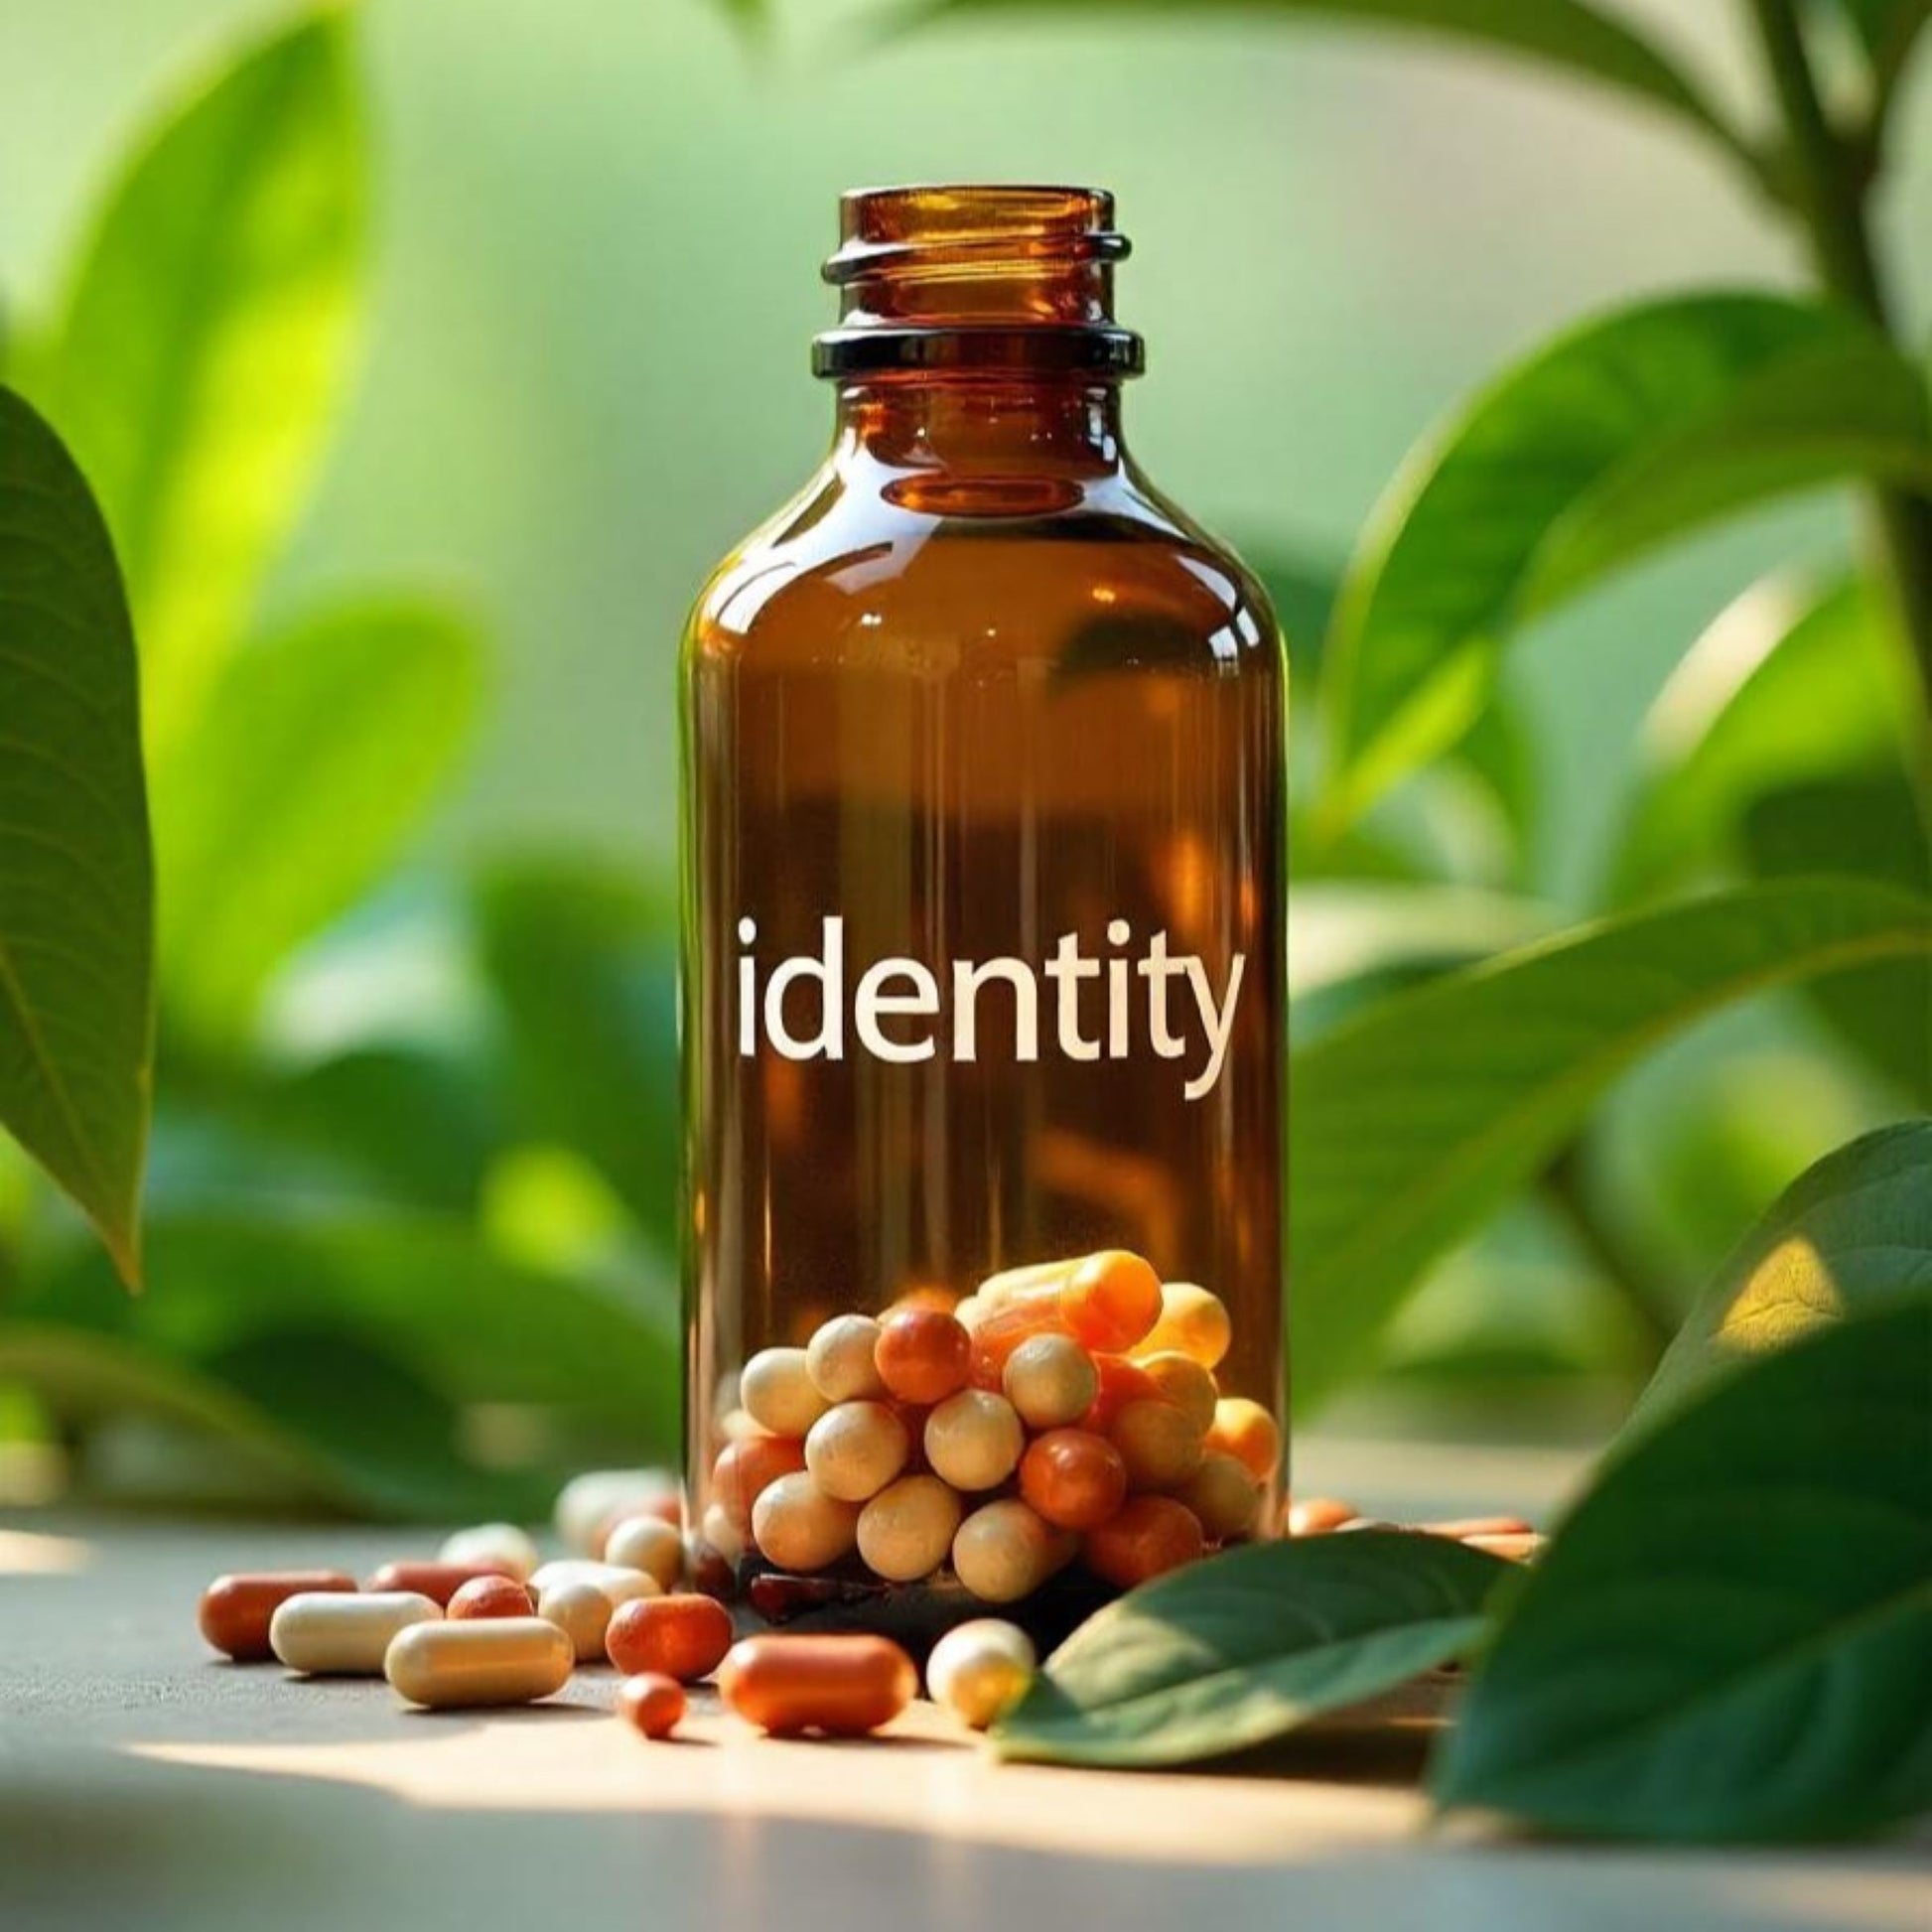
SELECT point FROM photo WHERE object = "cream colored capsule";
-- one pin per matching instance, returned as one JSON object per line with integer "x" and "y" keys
{"x": 1005, "y": 1551}
{"x": 799, "y": 1527}
{"x": 973, "y": 1439}
{"x": 998, "y": 1290}
{"x": 779, "y": 1390}
{"x": 1224, "y": 1495}
{"x": 980, "y": 1670}
{"x": 970, "y": 1313}
{"x": 491, "y": 1660}
{"x": 1192, "y": 1323}
{"x": 839, "y": 1360}
{"x": 1161, "y": 1446}
{"x": 721, "y": 1533}
{"x": 588, "y": 1502}
{"x": 905, "y": 1531}
{"x": 649, "y": 1544}
{"x": 1052, "y": 1381}
{"x": 1188, "y": 1386}
{"x": 336, "y": 1635}
{"x": 501, "y": 1544}
{"x": 581, "y": 1612}
{"x": 619, "y": 1581}
{"x": 855, "y": 1450}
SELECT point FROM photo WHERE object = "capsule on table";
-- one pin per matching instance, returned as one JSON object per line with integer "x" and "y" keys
{"x": 439, "y": 1582}
{"x": 488, "y": 1661}
{"x": 980, "y": 1670}
{"x": 1319, "y": 1515}
{"x": 619, "y": 1581}
{"x": 490, "y": 1596}
{"x": 652, "y": 1703}
{"x": 684, "y": 1636}
{"x": 237, "y": 1610}
{"x": 503, "y": 1544}
{"x": 326, "y": 1633}
{"x": 1460, "y": 1528}
{"x": 587, "y": 1503}
{"x": 649, "y": 1544}
{"x": 841, "y": 1686}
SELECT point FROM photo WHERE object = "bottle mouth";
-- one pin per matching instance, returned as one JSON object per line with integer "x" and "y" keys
{"x": 976, "y": 277}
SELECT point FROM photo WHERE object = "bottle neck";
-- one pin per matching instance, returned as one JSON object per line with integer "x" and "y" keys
{"x": 992, "y": 423}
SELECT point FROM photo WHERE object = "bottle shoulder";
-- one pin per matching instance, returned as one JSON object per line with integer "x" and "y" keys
{"x": 1114, "y": 572}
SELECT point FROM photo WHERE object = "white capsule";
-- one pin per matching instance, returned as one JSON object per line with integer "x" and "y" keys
{"x": 905, "y": 1531}
{"x": 980, "y": 1670}
{"x": 503, "y": 1544}
{"x": 587, "y": 1504}
{"x": 329, "y": 1634}
{"x": 617, "y": 1580}
{"x": 1052, "y": 1381}
{"x": 840, "y": 1359}
{"x": 855, "y": 1450}
{"x": 581, "y": 1612}
{"x": 799, "y": 1527}
{"x": 649, "y": 1544}
{"x": 1005, "y": 1551}
{"x": 778, "y": 1392}
{"x": 486, "y": 1660}
{"x": 973, "y": 1439}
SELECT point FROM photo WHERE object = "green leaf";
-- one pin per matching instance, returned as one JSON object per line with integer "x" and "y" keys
{"x": 1245, "y": 1647}
{"x": 1636, "y": 429}
{"x": 205, "y": 338}
{"x": 1851, "y": 1233}
{"x": 1574, "y": 37}
{"x": 585, "y": 963}
{"x": 1889, "y": 30}
{"x": 313, "y": 758}
{"x": 1732, "y": 1636}
{"x": 1413, "y": 1123}
{"x": 77, "y": 893}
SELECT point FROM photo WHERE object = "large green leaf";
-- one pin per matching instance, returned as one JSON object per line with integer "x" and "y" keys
{"x": 311, "y": 762}
{"x": 583, "y": 959}
{"x": 1573, "y": 36}
{"x": 1852, "y": 1233}
{"x": 1414, "y": 1122}
{"x": 1732, "y": 1636}
{"x": 1634, "y": 430}
{"x": 1240, "y": 1649}
{"x": 204, "y": 340}
{"x": 76, "y": 894}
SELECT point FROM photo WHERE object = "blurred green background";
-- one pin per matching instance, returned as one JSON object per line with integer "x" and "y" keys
{"x": 591, "y": 281}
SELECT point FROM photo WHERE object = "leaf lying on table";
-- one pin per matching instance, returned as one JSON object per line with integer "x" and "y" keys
{"x": 1852, "y": 1232}
{"x": 1244, "y": 1647}
{"x": 1732, "y": 1637}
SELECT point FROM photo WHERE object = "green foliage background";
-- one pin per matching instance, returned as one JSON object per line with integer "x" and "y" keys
{"x": 421, "y": 366}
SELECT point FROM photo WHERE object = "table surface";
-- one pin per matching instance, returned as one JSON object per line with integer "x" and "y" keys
{"x": 144, "y": 1782}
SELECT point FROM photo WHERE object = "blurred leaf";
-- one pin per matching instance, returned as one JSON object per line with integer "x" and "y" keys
{"x": 1850, "y": 1233}
{"x": 1730, "y": 1638}
{"x": 1889, "y": 30}
{"x": 585, "y": 961}
{"x": 203, "y": 341}
{"x": 1573, "y": 36}
{"x": 77, "y": 893}
{"x": 1414, "y": 1122}
{"x": 311, "y": 762}
{"x": 1634, "y": 430}
{"x": 1233, "y": 1652}
{"x": 1871, "y": 827}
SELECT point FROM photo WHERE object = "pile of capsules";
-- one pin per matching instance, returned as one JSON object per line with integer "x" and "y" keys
{"x": 1066, "y": 1410}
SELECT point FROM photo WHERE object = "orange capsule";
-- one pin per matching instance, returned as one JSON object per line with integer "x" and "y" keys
{"x": 1460, "y": 1528}
{"x": 1246, "y": 1430}
{"x": 1121, "y": 1382}
{"x": 1151, "y": 1535}
{"x": 843, "y": 1686}
{"x": 683, "y": 1637}
{"x": 237, "y": 1610}
{"x": 439, "y": 1582}
{"x": 1319, "y": 1515}
{"x": 1111, "y": 1300}
{"x": 745, "y": 1469}
{"x": 1034, "y": 1313}
{"x": 652, "y": 1703}
{"x": 923, "y": 1355}
{"x": 1073, "y": 1479}
{"x": 489, "y": 1596}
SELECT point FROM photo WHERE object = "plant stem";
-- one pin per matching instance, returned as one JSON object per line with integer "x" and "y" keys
{"x": 1829, "y": 197}
{"x": 1567, "y": 1191}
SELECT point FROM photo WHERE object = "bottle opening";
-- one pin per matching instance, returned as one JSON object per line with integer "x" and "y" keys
{"x": 976, "y": 277}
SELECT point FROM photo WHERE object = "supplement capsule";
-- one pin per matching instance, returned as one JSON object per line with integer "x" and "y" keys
{"x": 745, "y": 1469}
{"x": 1006, "y": 1551}
{"x": 843, "y": 1686}
{"x": 587, "y": 1504}
{"x": 922, "y": 1355}
{"x": 721, "y": 1540}
{"x": 617, "y": 1581}
{"x": 439, "y": 1582}
{"x": 1012, "y": 1283}
{"x": 997, "y": 1336}
{"x": 649, "y": 1544}
{"x": 1160, "y": 1448}
{"x": 683, "y": 1637}
{"x": 652, "y": 1703}
{"x": 237, "y": 1610}
{"x": 980, "y": 1670}
{"x": 1073, "y": 1478}
{"x": 1192, "y": 1323}
{"x": 327, "y": 1633}
{"x": 856, "y": 1449}
{"x": 1150, "y": 1536}
{"x": 1184, "y": 1383}
{"x": 799, "y": 1527}
{"x": 778, "y": 1389}
{"x": 840, "y": 1359}
{"x": 1319, "y": 1515}
{"x": 1050, "y": 1380}
{"x": 1111, "y": 1300}
{"x": 1462, "y": 1528}
{"x": 490, "y": 1596}
{"x": 1121, "y": 1382}
{"x": 501, "y": 1545}
{"x": 973, "y": 1439}
{"x": 1522, "y": 1547}
{"x": 1246, "y": 1430}
{"x": 907, "y": 1530}
{"x": 486, "y": 1661}
{"x": 1223, "y": 1497}
{"x": 581, "y": 1612}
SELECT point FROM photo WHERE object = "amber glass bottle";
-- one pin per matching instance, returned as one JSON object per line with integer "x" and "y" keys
{"x": 983, "y": 877}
